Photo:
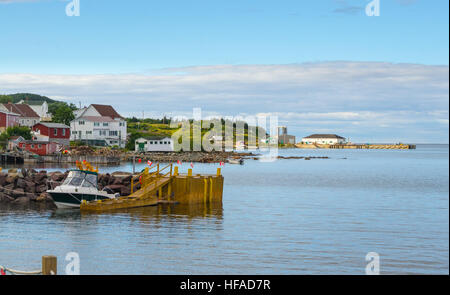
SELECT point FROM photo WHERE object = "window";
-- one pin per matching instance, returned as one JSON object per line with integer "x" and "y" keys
{"x": 81, "y": 122}
{"x": 112, "y": 133}
{"x": 102, "y": 132}
{"x": 96, "y": 124}
{"x": 151, "y": 142}
{"x": 160, "y": 142}
{"x": 74, "y": 132}
{"x": 55, "y": 131}
{"x": 90, "y": 181}
{"x": 105, "y": 124}
{"x": 88, "y": 132}
{"x": 64, "y": 132}
{"x": 40, "y": 146}
{"x": 32, "y": 146}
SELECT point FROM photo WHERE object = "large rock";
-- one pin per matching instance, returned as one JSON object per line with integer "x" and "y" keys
{"x": 11, "y": 178}
{"x": 111, "y": 180}
{"x": 126, "y": 180}
{"x": 43, "y": 198}
{"x": 30, "y": 187}
{"x": 57, "y": 176}
{"x": 39, "y": 178}
{"x": 4, "y": 198}
{"x": 7, "y": 189}
{"x": 125, "y": 191}
{"x": 21, "y": 183}
{"x": 41, "y": 188}
{"x": 18, "y": 193}
{"x": 2, "y": 179}
{"x": 117, "y": 188}
{"x": 12, "y": 170}
{"x": 22, "y": 200}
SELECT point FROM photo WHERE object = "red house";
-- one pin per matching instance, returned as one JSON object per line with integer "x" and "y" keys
{"x": 54, "y": 132}
{"x": 40, "y": 148}
{"x": 8, "y": 119}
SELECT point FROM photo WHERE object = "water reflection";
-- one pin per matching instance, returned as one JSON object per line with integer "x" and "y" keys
{"x": 150, "y": 214}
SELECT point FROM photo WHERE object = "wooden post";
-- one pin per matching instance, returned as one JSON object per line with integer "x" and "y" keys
{"x": 210, "y": 189}
{"x": 169, "y": 190}
{"x": 49, "y": 265}
{"x": 219, "y": 170}
{"x": 175, "y": 171}
{"x": 205, "y": 190}
{"x": 189, "y": 172}
{"x": 132, "y": 183}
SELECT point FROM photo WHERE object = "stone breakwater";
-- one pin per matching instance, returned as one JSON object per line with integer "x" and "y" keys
{"x": 199, "y": 157}
{"x": 29, "y": 186}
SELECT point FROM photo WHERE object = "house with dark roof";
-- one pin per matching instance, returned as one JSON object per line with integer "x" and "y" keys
{"x": 99, "y": 125}
{"x": 40, "y": 108}
{"x": 55, "y": 132}
{"x": 323, "y": 139}
{"x": 27, "y": 116}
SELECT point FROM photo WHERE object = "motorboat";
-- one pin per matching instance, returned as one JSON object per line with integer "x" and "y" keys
{"x": 236, "y": 161}
{"x": 79, "y": 186}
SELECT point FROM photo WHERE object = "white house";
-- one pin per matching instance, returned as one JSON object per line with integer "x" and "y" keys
{"x": 323, "y": 139}
{"x": 79, "y": 112}
{"x": 40, "y": 108}
{"x": 154, "y": 144}
{"x": 99, "y": 125}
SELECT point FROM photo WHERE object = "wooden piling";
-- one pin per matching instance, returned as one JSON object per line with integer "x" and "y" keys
{"x": 49, "y": 265}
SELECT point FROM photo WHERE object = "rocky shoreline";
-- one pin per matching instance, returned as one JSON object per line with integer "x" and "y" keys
{"x": 198, "y": 157}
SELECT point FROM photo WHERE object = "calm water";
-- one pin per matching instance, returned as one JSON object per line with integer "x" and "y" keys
{"x": 288, "y": 217}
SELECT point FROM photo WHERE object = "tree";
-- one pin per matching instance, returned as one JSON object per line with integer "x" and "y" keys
{"x": 132, "y": 139}
{"x": 23, "y": 131}
{"x": 63, "y": 114}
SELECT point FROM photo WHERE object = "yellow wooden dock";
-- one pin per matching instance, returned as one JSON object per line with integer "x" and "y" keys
{"x": 357, "y": 146}
{"x": 164, "y": 185}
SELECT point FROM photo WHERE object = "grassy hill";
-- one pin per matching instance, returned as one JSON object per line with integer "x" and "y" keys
{"x": 32, "y": 98}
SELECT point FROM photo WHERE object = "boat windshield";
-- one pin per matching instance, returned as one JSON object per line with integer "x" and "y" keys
{"x": 80, "y": 178}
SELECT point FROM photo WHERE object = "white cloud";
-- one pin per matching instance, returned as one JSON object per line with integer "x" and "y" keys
{"x": 365, "y": 95}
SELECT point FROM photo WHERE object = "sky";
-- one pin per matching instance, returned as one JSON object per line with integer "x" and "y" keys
{"x": 321, "y": 66}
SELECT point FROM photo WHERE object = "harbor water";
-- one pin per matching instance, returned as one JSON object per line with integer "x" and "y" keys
{"x": 291, "y": 216}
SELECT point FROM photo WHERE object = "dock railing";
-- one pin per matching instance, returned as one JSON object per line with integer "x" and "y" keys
{"x": 146, "y": 177}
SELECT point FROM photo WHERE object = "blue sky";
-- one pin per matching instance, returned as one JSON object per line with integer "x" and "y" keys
{"x": 386, "y": 75}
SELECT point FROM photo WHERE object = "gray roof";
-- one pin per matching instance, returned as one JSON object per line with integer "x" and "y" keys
{"x": 154, "y": 137}
{"x": 325, "y": 136}
{"x": 53, "y": 125}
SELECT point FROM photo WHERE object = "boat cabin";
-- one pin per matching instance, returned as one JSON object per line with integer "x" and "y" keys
{"x": 81, "y": 178}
